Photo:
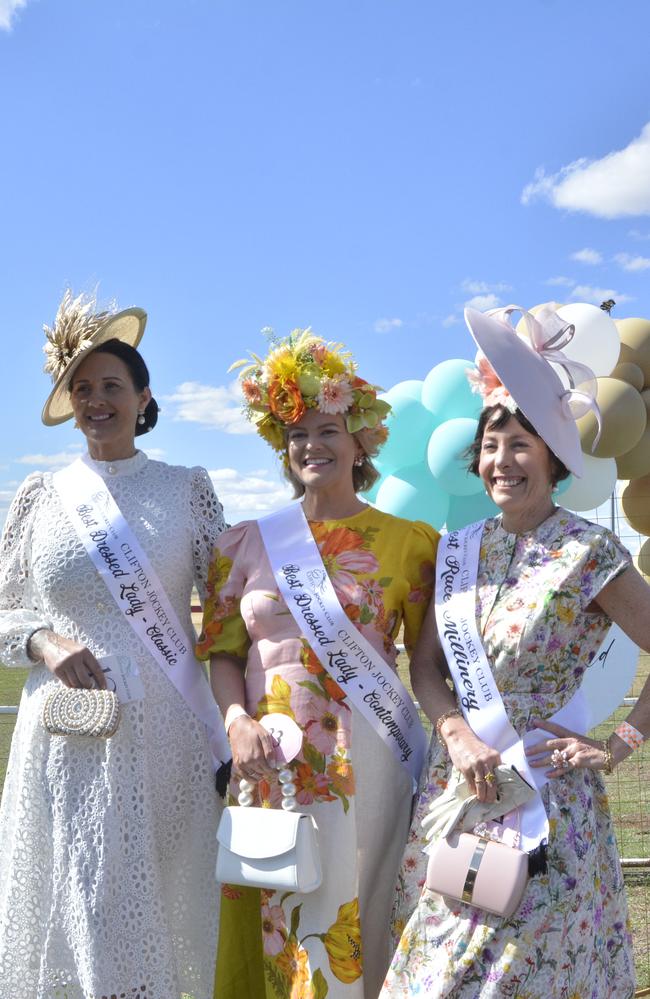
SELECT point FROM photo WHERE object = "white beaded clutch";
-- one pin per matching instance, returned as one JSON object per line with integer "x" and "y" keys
{"x": 77, "y": 711}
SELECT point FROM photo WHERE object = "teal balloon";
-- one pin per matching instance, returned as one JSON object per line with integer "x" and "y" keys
{"x": 409, "y": 428}
{"x": 564, "y": 485}
{"x": 464, "y": 510}
{"x": 446, "y": 456}
{"x": 370, "y": 495}
{"x": 412, "y": 493}
{"x": 446, "y": 393}
{"x": 410, "y": 389}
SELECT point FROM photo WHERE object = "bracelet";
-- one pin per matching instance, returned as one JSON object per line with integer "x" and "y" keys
{"x": 233, "y": 712}
{"x": 609, "y": 763}
{"x": 629, "y": 735}
{"x": 453, "y": 713}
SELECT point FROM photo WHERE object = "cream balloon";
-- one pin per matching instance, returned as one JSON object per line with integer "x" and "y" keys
{"x": 630, "y": 373}
{"x": 595, "y": 341}
{"x": 623, "y": 417}
{"x": 635, "y": 501}
{"x": 635, "y": 463}
{"x": 521, "y": 325}
{"x": 635, "y": 343}
{"x": 642, "y": 560}
{"x": 645, "y": 395}
{"x": 594, "y": 487}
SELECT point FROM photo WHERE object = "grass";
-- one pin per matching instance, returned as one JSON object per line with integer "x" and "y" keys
{"x": 628, "y": 789}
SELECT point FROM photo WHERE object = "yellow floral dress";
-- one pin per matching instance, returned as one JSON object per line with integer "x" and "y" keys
{"x": 335, "y": 941}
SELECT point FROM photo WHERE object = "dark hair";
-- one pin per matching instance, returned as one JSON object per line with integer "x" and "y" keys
{"x": 139, "y": 373}
{"x": 363, "y": 476}
{"x": 496, "y": 417}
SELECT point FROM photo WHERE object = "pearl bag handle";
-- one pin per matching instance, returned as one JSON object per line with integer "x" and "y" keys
{"x": 285, "y": 776}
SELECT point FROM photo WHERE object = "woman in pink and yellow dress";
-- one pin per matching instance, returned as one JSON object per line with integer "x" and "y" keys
{"x": 327, "y": 423}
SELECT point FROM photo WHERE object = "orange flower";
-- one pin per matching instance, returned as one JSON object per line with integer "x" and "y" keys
{"x": 341, "y": 775}
{"x": 343, "y": 943}
{"x": 353, "y": 611}
{"x": 336, "y": 541}
{"x": 333, "y": 689}
{"x": 310, "y": 661}
{"x": 293, "y": 963}
{"x": 286, "y": 401}
{"x": 229, "y": 891}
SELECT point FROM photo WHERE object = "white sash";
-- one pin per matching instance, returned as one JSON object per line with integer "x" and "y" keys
{"x": 369, "y": 682}
{"x": 134, "y": 585}
{"x": 479, "y": 696}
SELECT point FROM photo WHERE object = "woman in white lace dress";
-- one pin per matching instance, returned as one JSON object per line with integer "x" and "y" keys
{"x": 107, "y": 845}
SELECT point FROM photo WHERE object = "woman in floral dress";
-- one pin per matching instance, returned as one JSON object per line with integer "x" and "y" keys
{"x": 334, "y": 941}
{"x": 549, "y": 585}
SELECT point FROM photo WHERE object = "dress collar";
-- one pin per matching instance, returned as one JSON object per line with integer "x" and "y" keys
{"x": 118, "y": 468}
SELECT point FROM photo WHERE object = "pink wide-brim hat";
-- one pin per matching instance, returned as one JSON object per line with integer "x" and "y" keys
{"x": 524, "y": 366}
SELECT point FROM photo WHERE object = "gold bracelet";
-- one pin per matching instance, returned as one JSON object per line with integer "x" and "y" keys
{"x": 453, "y": 713}
{"x": 609, "y": 763}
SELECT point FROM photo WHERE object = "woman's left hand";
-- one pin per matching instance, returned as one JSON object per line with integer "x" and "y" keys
{"x": 569, "y": 751}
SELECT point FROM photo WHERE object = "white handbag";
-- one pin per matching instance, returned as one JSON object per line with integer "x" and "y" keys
{"x": 270, "y": 848}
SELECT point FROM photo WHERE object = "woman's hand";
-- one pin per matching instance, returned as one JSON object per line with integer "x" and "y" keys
{"x": 253, "y": 748}
{"x": 71, "y": 663}
{"x": 475, "y": 760}
{"x": 568, "y": 751}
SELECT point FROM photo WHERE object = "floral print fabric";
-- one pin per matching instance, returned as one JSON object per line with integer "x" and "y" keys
{"x": 334, "y": 941}
{"x": 570, "y": 937}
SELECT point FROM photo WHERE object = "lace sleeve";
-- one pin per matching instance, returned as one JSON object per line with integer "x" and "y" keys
{"x": 207, "y": 525}
{"x": 20, "y": 615}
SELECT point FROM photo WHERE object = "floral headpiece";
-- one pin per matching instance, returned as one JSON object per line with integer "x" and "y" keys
{"x": 484, "y": 381}
{"x": 303, "y": 372}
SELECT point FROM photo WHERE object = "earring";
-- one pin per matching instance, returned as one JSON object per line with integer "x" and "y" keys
{"x": 141, "y": 419}
{"x": 358, "y": 461}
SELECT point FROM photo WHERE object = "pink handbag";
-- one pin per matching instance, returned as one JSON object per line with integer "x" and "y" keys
{"x": 479, "y": 871}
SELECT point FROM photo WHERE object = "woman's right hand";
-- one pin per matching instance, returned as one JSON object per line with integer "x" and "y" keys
{"x": 253, "y": 748}
{"x": 475, "y": 760}
{"x": 71, "y": 663}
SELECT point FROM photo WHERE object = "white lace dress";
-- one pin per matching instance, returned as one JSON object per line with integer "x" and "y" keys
{"x": 107, "y": 847}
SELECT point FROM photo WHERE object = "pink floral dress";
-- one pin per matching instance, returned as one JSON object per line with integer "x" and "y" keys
{"x": 570, "y": 937}
{"x": 334, "y": 941}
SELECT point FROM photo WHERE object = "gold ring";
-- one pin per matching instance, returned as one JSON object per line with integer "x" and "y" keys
{"x": 489, "y": 777}
{"x": 479, "y": 780}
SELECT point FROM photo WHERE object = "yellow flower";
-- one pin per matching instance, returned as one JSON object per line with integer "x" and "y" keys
{"x": 343, "y": 943}
{"x": 218, "y": 572}
{"x": 293, "y": 962}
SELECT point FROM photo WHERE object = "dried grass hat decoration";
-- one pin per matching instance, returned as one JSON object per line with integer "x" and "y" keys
{"x": 77, "y": 330}
{"x": 532, "y": 374}
{"x": 302, "y": 372}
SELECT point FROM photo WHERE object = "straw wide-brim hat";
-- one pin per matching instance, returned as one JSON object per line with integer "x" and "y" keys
{"x": 533, "y": 384}
{"x": 127, "y": 326}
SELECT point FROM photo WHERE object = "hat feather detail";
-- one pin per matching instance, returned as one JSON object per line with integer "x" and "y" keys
{"x": 74, "y": 329}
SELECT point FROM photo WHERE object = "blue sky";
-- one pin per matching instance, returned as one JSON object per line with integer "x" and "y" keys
{"x": 366, "y": 168}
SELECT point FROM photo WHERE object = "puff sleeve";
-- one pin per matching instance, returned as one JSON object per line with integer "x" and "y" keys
{"x": 418, "y": 567}
{"x": 224, "y": 629}
{"x": 20, "y": 613}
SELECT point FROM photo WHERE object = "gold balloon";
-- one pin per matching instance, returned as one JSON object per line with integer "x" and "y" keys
{"x": 635, "y": 463}
{"x": 635, "y": 343}
{"x": 645, "y": 395}
{"x": 636, "y": 504}
{"x": 623, "y": 417}
{"x": 643, "y": 560}
{"x": 630, "y": 373}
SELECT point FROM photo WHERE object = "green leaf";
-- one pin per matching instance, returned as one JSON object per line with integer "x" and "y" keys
{"x": 344, "y": 800}
{"x": 295, "y": 920}
{"x": 315, "y": 759}
{"x": 310, "y": 685}
{"x": 319, "y": 985}
{"x": 365, "y": 615}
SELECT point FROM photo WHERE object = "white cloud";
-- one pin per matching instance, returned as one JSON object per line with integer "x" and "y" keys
{"x": 249, "y": 495}
{"x": 52, "y": 461}
{"x": 483, "y": 302}
{"x": 586, "y": 293}
{"x": 387, "y": 325}
{"x": 8, "y": 10}
{"x": 560, "y": 281}
{"x": 587, "y": 256}
{"x": 630, "y": 263}
{"x": 483, "y": 287}
{"x": 218, "y": 407}
{"x": 451, "y": 320}
{"x": 637, "y": 234}
{"x": 614, "y": 186}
